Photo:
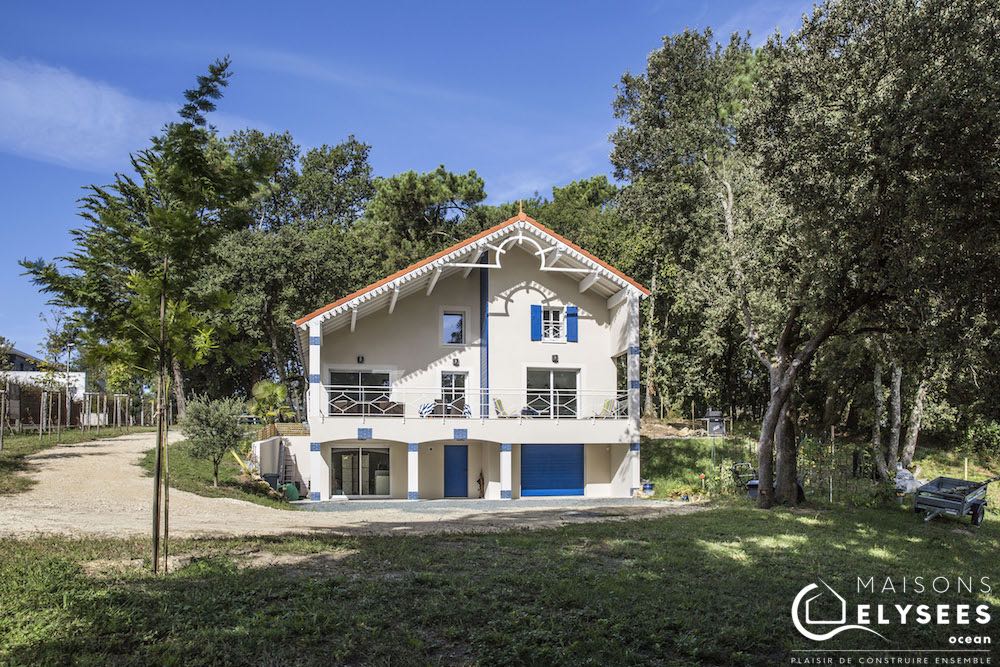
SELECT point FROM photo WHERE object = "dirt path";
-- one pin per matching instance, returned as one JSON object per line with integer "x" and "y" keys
{"x": 97, "y": 488}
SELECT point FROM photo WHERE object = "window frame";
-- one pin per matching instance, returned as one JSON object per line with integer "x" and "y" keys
{"x": 561, "y": 310}
{"x": 453, "y": 310}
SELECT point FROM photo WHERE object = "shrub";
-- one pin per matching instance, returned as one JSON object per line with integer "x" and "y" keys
{"x": 213, "y": 428}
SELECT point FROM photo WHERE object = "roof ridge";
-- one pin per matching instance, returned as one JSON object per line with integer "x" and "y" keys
{"x": 520, "y": 217}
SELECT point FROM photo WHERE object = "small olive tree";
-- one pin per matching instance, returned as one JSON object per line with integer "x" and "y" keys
{"x": 213, "y": 428}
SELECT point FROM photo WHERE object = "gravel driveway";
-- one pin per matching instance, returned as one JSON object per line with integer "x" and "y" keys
{"x": 97, "y": 488}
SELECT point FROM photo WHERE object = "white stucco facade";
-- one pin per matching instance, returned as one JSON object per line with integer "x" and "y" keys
{"x": 507, "y": 410}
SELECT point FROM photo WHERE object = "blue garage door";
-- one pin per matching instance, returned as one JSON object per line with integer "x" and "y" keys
{"x": 551, "y": 470}
{"x": 456, "y": 471}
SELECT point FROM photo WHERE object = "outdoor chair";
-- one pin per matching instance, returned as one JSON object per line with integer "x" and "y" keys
{"x": 502, "y": 412}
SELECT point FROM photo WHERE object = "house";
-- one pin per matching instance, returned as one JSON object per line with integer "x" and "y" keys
{"x": 505, "y": 366}
{"x": 22, "y": 361}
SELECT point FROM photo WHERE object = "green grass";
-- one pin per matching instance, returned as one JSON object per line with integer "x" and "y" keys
{"x": 674, "y": 464}
{"x": 708, "y": 588}
{"x": 17, "y": 448}
{"x": 189, "y": 473}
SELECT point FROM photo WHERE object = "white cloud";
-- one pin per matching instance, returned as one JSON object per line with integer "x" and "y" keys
{"x": 54, "y": 115}
{"x": 323, "y": 71}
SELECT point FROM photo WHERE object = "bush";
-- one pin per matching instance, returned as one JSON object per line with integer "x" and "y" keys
{"x": 982, "y": 439}
{"x": 213, "y": 428}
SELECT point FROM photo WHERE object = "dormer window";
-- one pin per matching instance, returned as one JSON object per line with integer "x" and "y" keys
{"x": 552, "y": 324}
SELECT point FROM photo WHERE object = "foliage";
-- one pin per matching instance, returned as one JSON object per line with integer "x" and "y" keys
{"x": 270, "y": 402}
{"x": 187, "y": 191}
{"x": 982, "y": 439}
{"x": 195, "y": 474}
{"x": 6, "y": 348}
{"x": 213, "y": 428}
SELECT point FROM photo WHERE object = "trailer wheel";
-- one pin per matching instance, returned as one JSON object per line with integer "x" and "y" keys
{"x": 978, "y": 514}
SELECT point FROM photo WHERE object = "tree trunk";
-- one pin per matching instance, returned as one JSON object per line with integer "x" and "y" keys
{"x": 913, "y": 425}
{"x": 765, "y": 444}
{"x": 280, "y": 366}
{"x": 215, "y": 473}
{"x": 878, "y": 452}
{"x": 650, "y": 409}
{"x": 786, "y": 488}
{"x": 895, "y": 408}
{"x": 179, "y": 399}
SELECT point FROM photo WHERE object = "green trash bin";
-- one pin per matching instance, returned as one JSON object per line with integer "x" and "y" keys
{"x": 291, "y": 492}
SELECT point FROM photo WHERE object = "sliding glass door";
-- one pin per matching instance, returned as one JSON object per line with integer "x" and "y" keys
{"x": 358, "y": 392}
{"x": 552, "y": 393}
{"x": 359, "y": 472}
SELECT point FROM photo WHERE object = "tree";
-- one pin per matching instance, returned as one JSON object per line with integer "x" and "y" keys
{"x": 270, "y": 402}
{"x": 151, "y": 234}
{"x": 852, "y": 122}
{"x": 6, "y": 349}
{"x": 213, "y": 428}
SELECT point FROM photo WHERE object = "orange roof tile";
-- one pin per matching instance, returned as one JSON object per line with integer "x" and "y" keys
{"x": 521, "y": 217}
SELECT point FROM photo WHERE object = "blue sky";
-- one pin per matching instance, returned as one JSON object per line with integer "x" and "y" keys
{"x": 519, "y": 91}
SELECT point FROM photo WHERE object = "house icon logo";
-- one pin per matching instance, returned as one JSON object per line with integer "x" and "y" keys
{"x": 840, "y": 622}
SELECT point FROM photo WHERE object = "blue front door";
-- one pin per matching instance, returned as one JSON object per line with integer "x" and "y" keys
{"x": 456, "y": 471}
{"x": 551, "y": 470}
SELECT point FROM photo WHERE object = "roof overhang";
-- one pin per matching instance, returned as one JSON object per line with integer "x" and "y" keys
{"x": 555, "y": 253}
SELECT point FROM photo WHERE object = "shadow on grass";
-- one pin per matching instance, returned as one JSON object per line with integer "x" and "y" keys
{"x": 707, "y": 588}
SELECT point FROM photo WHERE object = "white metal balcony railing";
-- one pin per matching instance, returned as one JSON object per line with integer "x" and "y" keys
{"x": 419, "y": 403}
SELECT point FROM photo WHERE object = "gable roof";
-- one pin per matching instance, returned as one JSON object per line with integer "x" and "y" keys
{"x": 518, "y": 221}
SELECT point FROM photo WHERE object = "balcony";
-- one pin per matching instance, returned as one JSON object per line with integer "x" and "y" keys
{"x": 474, "y": 404}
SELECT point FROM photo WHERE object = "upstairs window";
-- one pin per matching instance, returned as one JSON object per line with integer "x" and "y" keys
{"x": 453, "y": 328}
{"x": 552, "y": 324}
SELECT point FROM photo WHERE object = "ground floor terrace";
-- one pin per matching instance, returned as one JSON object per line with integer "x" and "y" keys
{"x": 470, "y": 469}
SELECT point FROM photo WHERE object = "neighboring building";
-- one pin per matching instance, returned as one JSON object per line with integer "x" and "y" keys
{"x": 22, "y": 361}
{"x": 509, "y": 360}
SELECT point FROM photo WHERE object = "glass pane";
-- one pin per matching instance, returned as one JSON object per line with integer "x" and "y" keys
{"x": 453, "y": 329}
{"x": 453, "y": 393}
{"x": 345, "y": 472}
{"x": 375, "y": 472}
{"x": 341, "y": 378}
{"x": 539, "y": 393}
{"x": 564, "y": 392}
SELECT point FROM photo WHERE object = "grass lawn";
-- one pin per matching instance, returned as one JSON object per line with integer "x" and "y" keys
{"x": 16, "y": 449}
{"x": 188, "y": 473}
{"x": 707, "y": 588}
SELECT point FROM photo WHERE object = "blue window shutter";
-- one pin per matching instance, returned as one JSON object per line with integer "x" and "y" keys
{"x": 536, "y": 322}
{"x": 572, "y": 325}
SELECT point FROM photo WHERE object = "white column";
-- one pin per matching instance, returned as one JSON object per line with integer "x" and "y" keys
{"x": 633, "y": 393}
{"x": 319, "y": 473}
{"x": 317, "y": 397}
{"x": 506, "y": 470}
{"x": 413, "y": 471}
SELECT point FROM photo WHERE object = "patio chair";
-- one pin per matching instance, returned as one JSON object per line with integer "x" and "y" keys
{"x": 607, "y": 410}
{"x": 502, "y": 412}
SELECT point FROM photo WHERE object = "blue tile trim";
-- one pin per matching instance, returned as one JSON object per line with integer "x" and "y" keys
{"x": 413, "y": 446}
{"x": 633, "y": 349}
{"x": 314, "y": 495}
{"x": 314, "y": 378}
{"x": 412, "y": 495}
{"x": 505, "y": 494}
{"x": 364, "y": 434}
{"x": 633, "y": 447}
{"x": 314, "y": 340}
{"x": 461, "y": 434}
{"x": 313, "y": 446}
{"x": 484, "y": 337}
{"x": 506, "y": 447}
{"x": 633, "y": 384}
